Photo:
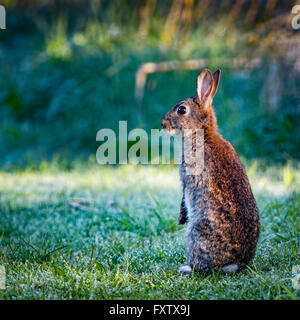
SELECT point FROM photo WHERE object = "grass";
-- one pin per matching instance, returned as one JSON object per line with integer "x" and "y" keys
{"x": 109, "y": 233}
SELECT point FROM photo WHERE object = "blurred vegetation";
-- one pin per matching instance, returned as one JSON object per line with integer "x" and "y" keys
{"x": 67, "y": 69}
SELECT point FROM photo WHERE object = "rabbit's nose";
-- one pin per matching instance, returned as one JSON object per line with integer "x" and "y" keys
{"x": 164, "y": 123}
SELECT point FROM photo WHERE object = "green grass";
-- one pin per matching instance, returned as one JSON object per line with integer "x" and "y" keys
{"x": 124, "y": 243}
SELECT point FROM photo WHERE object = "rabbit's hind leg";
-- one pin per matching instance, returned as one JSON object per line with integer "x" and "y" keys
{"x": 185, "y": 270}
{"x": 230, "y": 268}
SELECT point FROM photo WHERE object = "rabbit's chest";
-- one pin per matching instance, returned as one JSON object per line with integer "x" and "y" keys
{"x": 196, "y": 202}
{"x": 196, "y": 193}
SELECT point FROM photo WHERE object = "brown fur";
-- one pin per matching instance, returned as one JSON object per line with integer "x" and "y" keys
{"x": 218, "y": 204}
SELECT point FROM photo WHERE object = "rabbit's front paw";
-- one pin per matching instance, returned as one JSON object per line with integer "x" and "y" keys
{"x": 185, "y": 270}
{"x": 182, "y": 219}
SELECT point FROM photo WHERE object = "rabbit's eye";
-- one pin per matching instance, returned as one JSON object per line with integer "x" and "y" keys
{"x": 181, "y": 110}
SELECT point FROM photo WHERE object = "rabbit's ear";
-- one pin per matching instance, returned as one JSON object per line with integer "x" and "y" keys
{"x": 216, "y": 77}
{"x": 205, "y": 87}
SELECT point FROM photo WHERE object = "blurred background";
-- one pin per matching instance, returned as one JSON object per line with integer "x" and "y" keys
{"x": 68, "y": 69}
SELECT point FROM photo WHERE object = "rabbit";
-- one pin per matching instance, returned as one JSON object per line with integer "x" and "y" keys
{"x": 218, "y": 205}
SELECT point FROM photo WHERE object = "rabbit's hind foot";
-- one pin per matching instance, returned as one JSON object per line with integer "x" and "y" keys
{"x": 185, "y": 270}
{"x": 230, "y": 268}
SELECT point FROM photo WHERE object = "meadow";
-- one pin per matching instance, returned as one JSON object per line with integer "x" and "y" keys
{"x": 112, "y": 233}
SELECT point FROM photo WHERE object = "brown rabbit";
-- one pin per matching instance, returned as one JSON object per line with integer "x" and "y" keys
{"x": 217, "y": 204}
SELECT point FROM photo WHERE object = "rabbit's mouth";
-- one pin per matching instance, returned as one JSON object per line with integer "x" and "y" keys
{"x": 166, "y": 125}
{"x": 169, "y": 125}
